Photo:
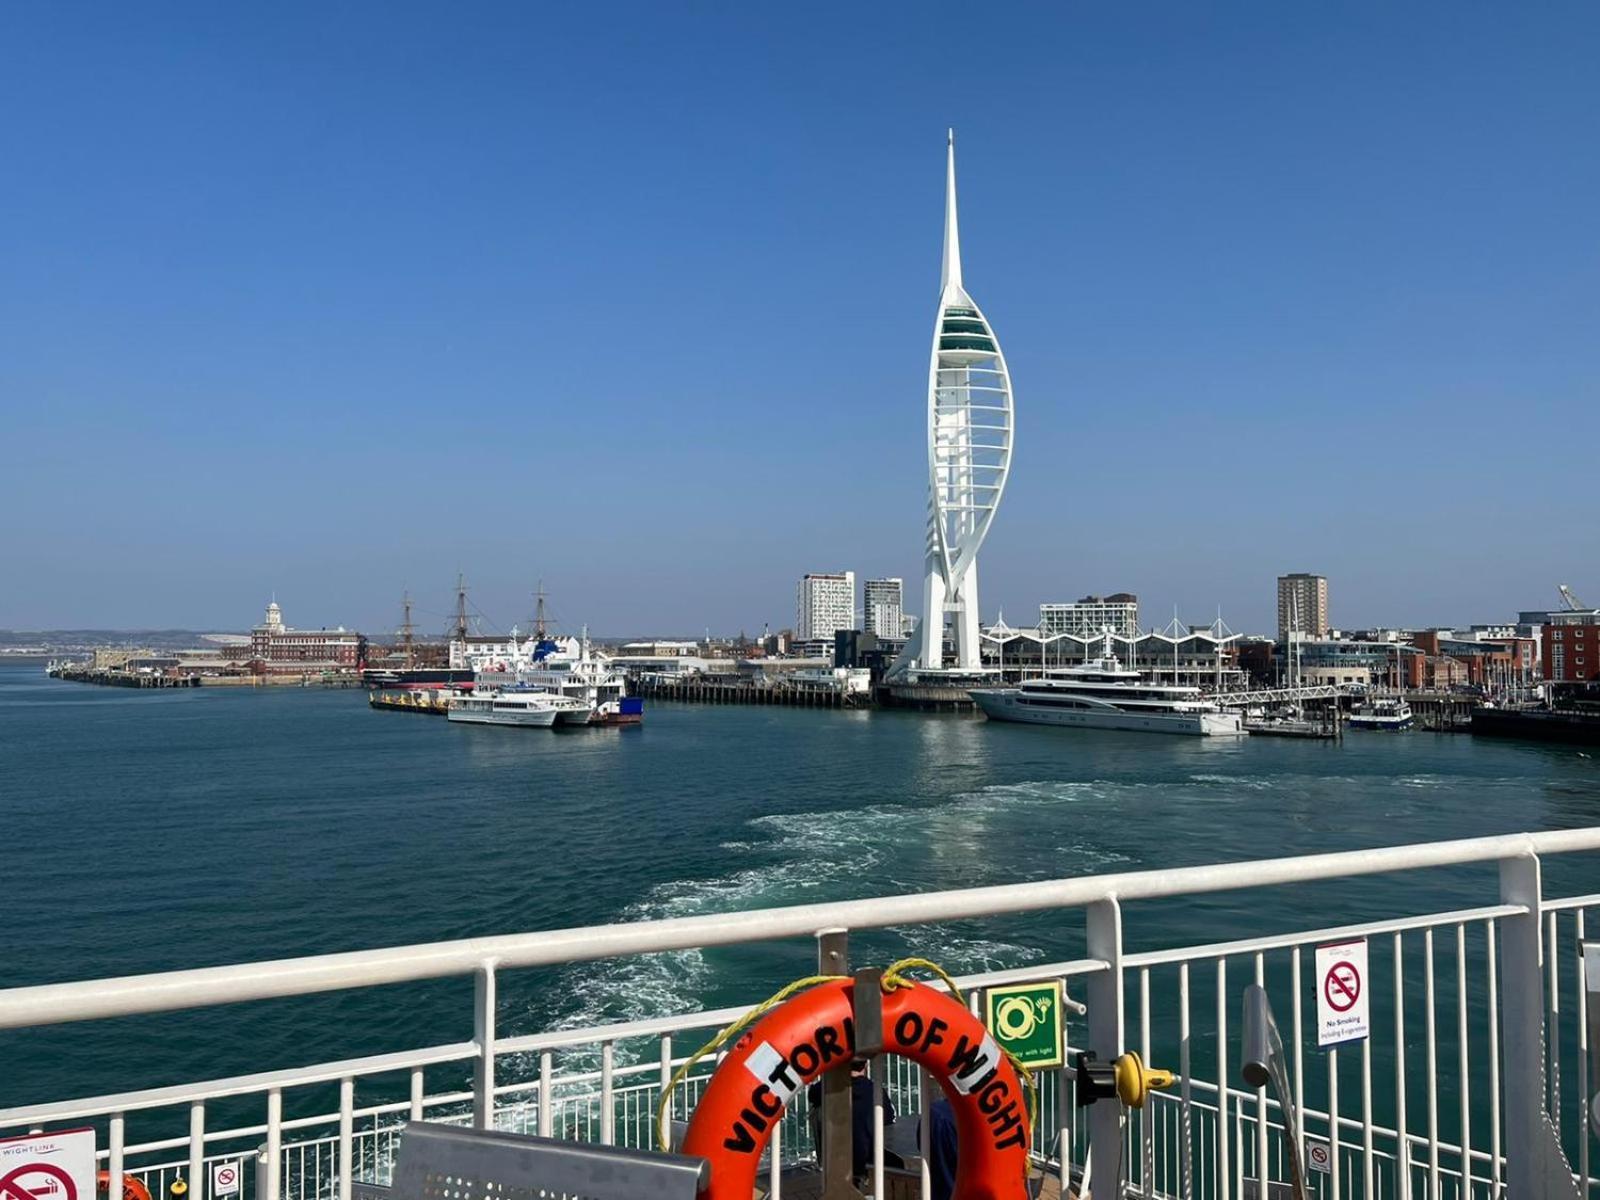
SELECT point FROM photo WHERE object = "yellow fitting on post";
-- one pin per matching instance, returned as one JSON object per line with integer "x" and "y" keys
{"x": 1135, "y": 1081}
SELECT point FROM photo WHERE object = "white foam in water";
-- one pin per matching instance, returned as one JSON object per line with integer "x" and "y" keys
{"x": 1235, "y": 781}
{"x": 835, "y": 854}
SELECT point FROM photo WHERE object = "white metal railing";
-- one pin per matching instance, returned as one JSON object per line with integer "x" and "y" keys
{"x": 1506, "y": 1051}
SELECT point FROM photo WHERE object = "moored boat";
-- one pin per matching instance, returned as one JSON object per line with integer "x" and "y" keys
{"x": 1106, "y": 695}
{"x": 530, "y": 709}
{"x": 1383, "y": 712}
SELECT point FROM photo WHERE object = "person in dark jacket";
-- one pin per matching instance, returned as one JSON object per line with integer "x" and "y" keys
{"x": 860, "y": 1120}
{"x": 942, "y": 1145}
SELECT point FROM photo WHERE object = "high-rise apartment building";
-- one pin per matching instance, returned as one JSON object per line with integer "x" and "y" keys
{"x": 825, "y": 604}
{"x": 885, "y": 607}
{"x": 1092, "y": 616}
{"x": 1302, "y": 605}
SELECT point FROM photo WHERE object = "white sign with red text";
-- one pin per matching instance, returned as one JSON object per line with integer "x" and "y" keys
{"x": 1344, "y": 1011}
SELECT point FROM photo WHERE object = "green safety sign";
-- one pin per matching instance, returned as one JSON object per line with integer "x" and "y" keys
{"x": 1025, "y": 1018}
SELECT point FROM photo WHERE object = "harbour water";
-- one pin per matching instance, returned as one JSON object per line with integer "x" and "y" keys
{"x": 149, "y": 831}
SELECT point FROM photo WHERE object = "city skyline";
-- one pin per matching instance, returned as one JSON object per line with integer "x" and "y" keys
{"x": 1307, "y": 291}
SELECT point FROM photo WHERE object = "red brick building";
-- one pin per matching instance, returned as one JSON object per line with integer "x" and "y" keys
{"x": 1572, "y": 647}
{"x": 281, "y": 649}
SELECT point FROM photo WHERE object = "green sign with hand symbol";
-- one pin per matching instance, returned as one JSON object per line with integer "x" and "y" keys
{"x": 1025, "y": 1018}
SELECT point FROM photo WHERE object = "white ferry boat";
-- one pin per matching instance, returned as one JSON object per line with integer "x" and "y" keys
{"x": 1384, "y": 712}
{"x": 537, "y": 710}
{"x": 562, "y": 666}
{"x": 1107, "y": 695}
{"x": 569, "y": 667}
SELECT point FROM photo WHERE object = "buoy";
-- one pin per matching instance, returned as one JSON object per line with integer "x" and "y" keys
{"x": 814, "y": 1032}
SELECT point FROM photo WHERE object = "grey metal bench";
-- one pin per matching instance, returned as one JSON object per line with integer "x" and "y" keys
{"x": 447, "y": 1162}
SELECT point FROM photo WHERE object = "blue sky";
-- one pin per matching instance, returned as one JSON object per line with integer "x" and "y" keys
{"x": 335, "y": 300}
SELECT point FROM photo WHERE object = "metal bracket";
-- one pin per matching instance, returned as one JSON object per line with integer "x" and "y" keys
{"x": 869, "y": 1011}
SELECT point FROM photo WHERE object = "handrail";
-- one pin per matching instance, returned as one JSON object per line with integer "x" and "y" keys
{"x": 239, "y": 1085}
{"x": 1280, "y": 941}
{"x": 55, "y": 1003}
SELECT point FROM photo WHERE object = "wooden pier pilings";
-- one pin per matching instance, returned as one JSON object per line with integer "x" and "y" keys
{"x": 127, "y": 679}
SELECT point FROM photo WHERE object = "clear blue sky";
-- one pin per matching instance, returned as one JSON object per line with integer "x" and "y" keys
{"x": 331, "y": 300}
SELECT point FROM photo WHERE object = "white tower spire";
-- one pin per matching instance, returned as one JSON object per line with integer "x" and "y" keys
{"x": 951, "y": 271}
{"x": 969, "y": 457}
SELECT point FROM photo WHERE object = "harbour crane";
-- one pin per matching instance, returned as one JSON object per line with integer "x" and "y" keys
{"x": 1572, "y": 602}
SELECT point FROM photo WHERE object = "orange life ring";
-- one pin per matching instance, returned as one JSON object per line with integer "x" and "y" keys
{"x": 133, "y": 1187}
{"x": 815, "y": 1031}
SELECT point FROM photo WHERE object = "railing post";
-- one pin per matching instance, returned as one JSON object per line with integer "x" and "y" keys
{"x": 117, "y": 1132}
{"x": 483, "y": 1002}
{"x": 347, "y": 1125}
{"x": 547, "y": 1100}
{"x": 1532, "y": 1153}
{"x": 1521, "y": 1022}
{"x": 197, "y": 1150}
{"x": 1103, "y": 920}
{"x": 274, "y": 1187}
{"x": 833, "y": 958}
{"x": 608, "y": 1093}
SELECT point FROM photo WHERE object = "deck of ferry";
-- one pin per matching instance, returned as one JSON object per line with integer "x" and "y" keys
{"x": 1475, "y": 1081}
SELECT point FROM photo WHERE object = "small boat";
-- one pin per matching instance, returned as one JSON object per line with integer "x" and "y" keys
{"x": 1383, "y": 712}
{"x": 536, "y": 710}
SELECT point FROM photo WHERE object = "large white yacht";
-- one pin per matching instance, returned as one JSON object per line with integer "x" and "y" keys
{"x": 1107, "y": 695}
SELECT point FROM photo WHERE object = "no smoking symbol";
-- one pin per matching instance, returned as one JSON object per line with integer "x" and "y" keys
{"x": 226, "y": 1176}
{"x": 1342, "y": 987}
{"x": 12, "y": 1187}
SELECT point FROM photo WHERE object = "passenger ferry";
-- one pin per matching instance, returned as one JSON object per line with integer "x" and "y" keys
{"x": 538, "y": 710}
{"x": 569, "y": 667}
{"x": 1385, "y": 712}
{"x": 1107, "y": 695}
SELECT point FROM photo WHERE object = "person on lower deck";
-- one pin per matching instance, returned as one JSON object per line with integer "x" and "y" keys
{"x": 941, "y": 1149}
{"x": 861, "y": 1095}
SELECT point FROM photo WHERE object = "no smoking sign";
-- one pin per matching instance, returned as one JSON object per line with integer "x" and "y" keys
{"x": 1343, "y": 1014}
{"x": 48, "y": 1166}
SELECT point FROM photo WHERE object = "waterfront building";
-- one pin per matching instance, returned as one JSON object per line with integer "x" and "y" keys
{"x": 472, "y": 651}
{"x": 1302, "y": 605}
{"x": 1497, "y": 664}
{"x": 1200, "y": 657}
{"x": 825, "y": 604}
{"x": 284, "y": 649}
{"x": 1092, "y": 616}
{"x": 969, "y": 458}
{"x": 109, "y": 658}
{"x": 884, "y": 607}
{"x": 660, "y": 649}
{"x": 1571, "y": 646}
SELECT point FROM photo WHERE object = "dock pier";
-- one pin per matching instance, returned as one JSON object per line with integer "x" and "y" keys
{"x": 127, "y": 679}
{"x": 701, "y": 689}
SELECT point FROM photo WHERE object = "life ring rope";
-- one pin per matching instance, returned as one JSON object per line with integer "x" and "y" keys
{"x": 894, "y": 978}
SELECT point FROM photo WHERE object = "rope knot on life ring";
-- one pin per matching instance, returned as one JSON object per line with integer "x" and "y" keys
{"x": 809, "y": 1028}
